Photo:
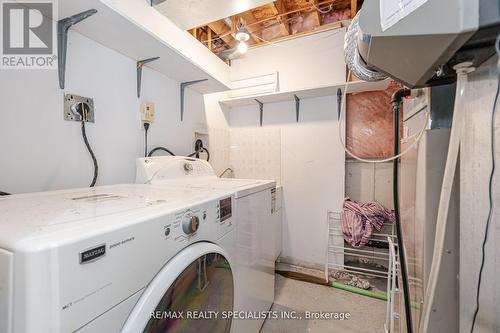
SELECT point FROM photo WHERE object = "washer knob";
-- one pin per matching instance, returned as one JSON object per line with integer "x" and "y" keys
{"x": 191, "y": 224}
{"x": 188, "y": 167}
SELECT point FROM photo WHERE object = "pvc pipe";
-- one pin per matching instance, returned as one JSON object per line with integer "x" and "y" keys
{"x": 444, "y": 200}
{"x": 359, "y": 291}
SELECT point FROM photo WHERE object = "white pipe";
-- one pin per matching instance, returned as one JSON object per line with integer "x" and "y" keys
{"x": 446, "y": 191}
{"x": 389, "y": 292}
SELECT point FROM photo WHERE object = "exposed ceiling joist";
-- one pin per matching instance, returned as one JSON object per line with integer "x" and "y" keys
{"x": 253, "y": 29}
{"x": 280, "y": 11}
{"x": 224, "y": 32}
{"x": 354, "y": 7}
{"x": 276, "y": 21}
{"x": 316, "y": 13}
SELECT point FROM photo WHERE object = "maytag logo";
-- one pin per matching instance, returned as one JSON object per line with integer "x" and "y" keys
{"x": 92, "y": 254}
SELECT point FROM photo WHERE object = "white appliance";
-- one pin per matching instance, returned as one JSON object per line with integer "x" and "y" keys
{"x": 257, "y": 227}
{"x": 104, "y": 259}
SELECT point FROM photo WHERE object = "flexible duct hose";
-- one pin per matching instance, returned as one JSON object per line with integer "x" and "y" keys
{"x": 352, "y": 58}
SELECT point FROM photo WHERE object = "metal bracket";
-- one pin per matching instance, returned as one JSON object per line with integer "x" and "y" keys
{"x": 297, "y": 107}
{"x": 63, "y": 26}
{"x": 261, "y": 109}
{"x": 339, "y": 102}
{"x": 139, "y": 66}
{"x": 183, "y": 87}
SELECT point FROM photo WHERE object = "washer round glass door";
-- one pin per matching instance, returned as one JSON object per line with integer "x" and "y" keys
{"x": 193, "y": 292}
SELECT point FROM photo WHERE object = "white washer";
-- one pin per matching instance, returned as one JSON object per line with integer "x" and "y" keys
{"x": 103, "y": 259}
{"x": 258, "y": 226}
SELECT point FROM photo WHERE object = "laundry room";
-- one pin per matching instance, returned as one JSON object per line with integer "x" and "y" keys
{"x": 249, "y": 166}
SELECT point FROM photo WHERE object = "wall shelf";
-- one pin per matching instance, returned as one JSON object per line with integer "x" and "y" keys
{"x": 290, "y": 96}
{"x": 138, "y": 31}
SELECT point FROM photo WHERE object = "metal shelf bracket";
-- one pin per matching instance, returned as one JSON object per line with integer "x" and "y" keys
{"x": 261, "y": 110}
{"x": 297, "y": 107}
{"x": 183, "y": 87}
{"x": 139, "y": 66}
{"x": 63, "y": 26}
{"x": 339, "y": 102}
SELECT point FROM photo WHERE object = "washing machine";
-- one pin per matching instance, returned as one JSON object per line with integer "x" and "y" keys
{"x": 257, "y": 219}
{"x": 125, "y": 258}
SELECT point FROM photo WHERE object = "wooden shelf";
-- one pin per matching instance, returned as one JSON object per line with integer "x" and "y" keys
{"x": 138, "y": 31}
{"x": 289, "y": 96}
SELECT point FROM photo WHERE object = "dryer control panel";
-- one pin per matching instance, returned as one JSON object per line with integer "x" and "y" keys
{"x": 209, "y": 220}
{"x": 226, "y": 210}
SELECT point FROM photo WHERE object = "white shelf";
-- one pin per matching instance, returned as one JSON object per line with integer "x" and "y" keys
{"x": 353, "y": 87}
{"x": 138, "y": 31}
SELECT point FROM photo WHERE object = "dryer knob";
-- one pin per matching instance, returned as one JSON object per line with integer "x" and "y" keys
{"x": 191, "y": 224}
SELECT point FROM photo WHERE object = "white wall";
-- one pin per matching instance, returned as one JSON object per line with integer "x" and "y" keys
{"x": 475, "y": 168}
{"x": 312, "y": 172}
{"x": 40, "y": 151}
{"x": 369, "y": 182}
{"x": 307, "y": 62}
{"x": 312, "y": 160}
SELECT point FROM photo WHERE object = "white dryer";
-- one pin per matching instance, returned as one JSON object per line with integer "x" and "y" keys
{"x": 116, "y": 259}
{"x": 257, "y": 226}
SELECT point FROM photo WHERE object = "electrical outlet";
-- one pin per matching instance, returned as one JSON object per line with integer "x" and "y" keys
{"x": 203, "y": 136}
{"x": 75, "y": 105}
{"x": 148, "y": 112}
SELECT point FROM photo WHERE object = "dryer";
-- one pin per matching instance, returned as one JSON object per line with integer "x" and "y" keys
{"x": 116, "y": 259}
{"x": 257, "y": 225}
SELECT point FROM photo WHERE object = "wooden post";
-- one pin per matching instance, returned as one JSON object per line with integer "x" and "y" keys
{"x": 209, "y": 37}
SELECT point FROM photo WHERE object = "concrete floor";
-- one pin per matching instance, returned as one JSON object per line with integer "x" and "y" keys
{"x": 367, "y": 314}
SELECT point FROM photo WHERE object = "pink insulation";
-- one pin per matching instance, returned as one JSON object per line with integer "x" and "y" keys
{"x": 302, "y": 23}
{"x": 369, "y": 129}
{"x": 272, "y": 31}
{"x": 335, "y": 15}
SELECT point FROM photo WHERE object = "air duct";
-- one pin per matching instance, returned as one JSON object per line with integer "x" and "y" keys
{"x": 354, "y": 62}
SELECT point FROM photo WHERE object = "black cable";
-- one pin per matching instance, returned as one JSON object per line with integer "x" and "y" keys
{"x": 396, "y": 103}
{"x": 490, "y": 185}
{"x": 91, "y": 152}
{"x": 158, "y": 149}
{"x": 197, "y": 153}
{"x": 4, "y": 193}
{"x": 146, "y": 128}
{"x": 208, "y": 154}
{"x": 198, "y": 147}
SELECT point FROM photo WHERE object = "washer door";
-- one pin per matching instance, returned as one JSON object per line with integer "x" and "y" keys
{"x": 198, "y": 281}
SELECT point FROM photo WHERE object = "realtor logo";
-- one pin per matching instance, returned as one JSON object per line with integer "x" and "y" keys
{"x": 28, "y": 35}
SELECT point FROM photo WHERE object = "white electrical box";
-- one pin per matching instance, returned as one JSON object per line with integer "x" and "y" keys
{"x": 148, "y": 112}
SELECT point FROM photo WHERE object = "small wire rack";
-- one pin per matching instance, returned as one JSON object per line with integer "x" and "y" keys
{"x": 393, "y": 291}
{"x": 339, "y": 251}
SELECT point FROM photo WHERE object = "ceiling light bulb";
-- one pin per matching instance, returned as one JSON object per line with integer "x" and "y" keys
{"x": 242, "y": 34}
{"x": 242, "y": 47}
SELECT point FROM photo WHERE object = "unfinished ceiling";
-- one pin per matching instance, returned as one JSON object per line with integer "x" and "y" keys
{"x": 275, "y": 21}
{"x": 188, "y": 14}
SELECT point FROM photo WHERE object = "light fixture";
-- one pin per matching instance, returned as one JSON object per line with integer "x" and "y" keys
{"x": 242, "y": 47}
{"x": 242, "y": 34}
